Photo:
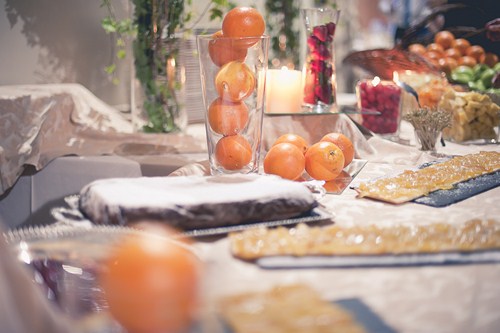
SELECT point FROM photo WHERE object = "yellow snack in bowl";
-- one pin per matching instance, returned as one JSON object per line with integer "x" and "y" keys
{"x": 474, "y": 116}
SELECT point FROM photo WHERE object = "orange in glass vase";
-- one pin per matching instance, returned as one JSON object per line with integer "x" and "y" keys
{"x": 235, "y": 81}
{"x": 227, "y": 118}
{"x": 233, "y": 152}
{"x": 223, "y": 50}
{"x": 244, "y": 22}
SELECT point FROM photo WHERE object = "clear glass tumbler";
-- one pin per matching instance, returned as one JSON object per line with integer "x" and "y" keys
{"x": 382, "y": 96}
{"x": 233, "y": 76}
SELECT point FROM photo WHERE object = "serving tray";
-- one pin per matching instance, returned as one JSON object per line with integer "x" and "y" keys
{"x": 461, "y": 191}
{"x": 71, "y": 215}
{"x": 417, "y": 259}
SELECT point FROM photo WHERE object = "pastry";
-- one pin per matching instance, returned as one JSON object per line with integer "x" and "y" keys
{"x": 195, "y": 202}
{"x": 365, "y": 240}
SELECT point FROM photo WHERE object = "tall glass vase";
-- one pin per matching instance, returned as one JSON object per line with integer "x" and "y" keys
{"x": 320, "y": 84}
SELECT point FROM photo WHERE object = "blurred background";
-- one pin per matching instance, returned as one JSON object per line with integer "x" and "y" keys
{"x": 61, "y": 41}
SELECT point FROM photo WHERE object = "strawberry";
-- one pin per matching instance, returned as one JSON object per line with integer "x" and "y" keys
{"x": 321, "y": 32}
{"x": 331, "y": 28}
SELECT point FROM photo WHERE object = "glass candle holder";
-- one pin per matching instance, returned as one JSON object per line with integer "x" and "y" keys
{"x": 382, "y": 96}
{"x": 233, "y": 76}
{"x": 319, "y": 75}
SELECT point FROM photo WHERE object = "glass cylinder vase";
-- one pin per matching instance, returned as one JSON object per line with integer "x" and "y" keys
{"x": 233, "y": 78}
{"x": 320, "y": 85}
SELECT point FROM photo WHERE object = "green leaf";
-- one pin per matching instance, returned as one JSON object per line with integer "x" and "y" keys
{"x": 120, "y": 42}
{"x": 110, "y": 69}
{"x": 121, "y": 54}
{"x": 108, "y": 24}
{"x": 215, "y": 13}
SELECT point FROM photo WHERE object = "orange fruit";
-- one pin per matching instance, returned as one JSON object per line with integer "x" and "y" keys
{"x": 344, "y": 143}
{"x": 294, "y": 139}
{"x": 324, "y": 161}
{"x": 227, "y": 118}
{"x": 433, "y": 47}
{"x": 489, "y": 59}
{"x": 447, "y": 64}
{"x": 222, "y": 50}
{"x": 417, "y": 48}
{"x": 151, "y": 283}
{"x": 432, "y": 55}
{"x": 476, "y": 52}
{"x": 235, "y": 81}
{"x": 467, "y": 61}
{"x": 285, "y": 160}
{"x": 243, "y": 22}
{"x": 452, "y": 53}
{"x": 445, "y": 39}
{"x": 233, "y": 152}
{"x": 462, "y": 45}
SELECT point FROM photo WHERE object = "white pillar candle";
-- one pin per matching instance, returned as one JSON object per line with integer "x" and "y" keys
{"x": 283, "y": 91}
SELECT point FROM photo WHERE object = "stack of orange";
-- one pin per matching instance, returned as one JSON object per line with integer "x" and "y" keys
{"x": 290, "y": 156}
{"x": 448, "y": 52}
{"x": 228, "y": 114}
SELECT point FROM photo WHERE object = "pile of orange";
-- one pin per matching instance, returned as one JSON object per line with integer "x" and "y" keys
{"x": 448, "y": 52}
{"x": 228, "y": 115}
{"x": 290, "y": 156}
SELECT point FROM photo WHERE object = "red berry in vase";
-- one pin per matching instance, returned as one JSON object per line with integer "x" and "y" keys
{"x": 384, "y": 97}
{"x": 331, "y": 28}
{"x": 321, "y": 32}
{"x": 319, "y": 65}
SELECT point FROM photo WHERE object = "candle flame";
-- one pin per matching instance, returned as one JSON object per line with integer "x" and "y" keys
{"x": 375, "y": 81}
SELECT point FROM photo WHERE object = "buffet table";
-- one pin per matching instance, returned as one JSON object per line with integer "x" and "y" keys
{"x": 429, "y": 298}
{"x": 446, "y": 298}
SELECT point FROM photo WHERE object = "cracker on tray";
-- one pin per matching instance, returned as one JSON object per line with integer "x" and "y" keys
{"x": 412, "y": 184}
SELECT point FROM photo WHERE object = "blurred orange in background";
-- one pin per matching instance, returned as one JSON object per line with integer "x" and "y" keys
{"x": 151, "y": 282}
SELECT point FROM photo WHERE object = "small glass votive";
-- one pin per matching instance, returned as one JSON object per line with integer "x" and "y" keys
{"x": 382, "y": 96}
{"x": 233, "y": 76}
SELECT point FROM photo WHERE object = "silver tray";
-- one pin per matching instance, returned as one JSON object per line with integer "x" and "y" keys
{"x": 71, "y": 215}
{"x": 385, "y": 260}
